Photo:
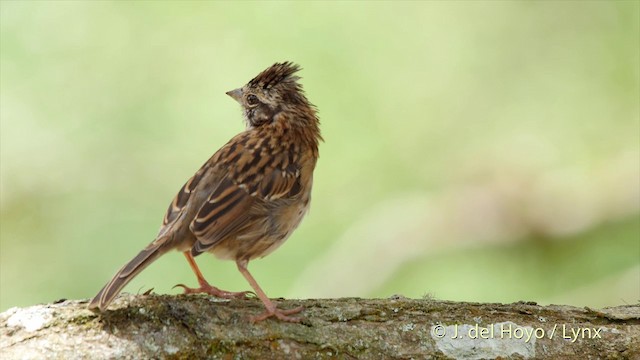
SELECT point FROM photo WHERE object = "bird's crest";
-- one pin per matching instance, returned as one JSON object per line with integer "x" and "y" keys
{"x": 274, "y": 75}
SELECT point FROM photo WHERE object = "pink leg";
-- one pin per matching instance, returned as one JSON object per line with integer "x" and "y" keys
{"x": 205, "y": 287}
{"x": 272, "y": 310}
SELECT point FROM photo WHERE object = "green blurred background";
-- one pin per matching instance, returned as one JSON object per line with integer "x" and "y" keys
{"x": 477, "y": 151}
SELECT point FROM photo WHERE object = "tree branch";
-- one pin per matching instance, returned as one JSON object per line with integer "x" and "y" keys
{"x": 188, "y": 327}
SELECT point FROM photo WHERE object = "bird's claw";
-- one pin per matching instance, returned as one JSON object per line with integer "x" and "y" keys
{"x": 282, "y": 315}
{"x": 214, "y": 291}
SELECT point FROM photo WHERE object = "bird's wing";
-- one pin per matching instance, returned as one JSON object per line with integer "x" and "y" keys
{"x": 224, "y": 212}
{"x": 253, "y": 176}
{"x": 179, "y": 203}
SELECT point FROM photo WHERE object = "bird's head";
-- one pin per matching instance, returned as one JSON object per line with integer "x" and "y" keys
{"x": 273, "y": 91}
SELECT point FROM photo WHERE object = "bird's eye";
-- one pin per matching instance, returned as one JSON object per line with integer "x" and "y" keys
{"x": 252, "y": 100}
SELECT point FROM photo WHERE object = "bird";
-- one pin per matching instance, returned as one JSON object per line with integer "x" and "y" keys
{"x": 248, "y": 198}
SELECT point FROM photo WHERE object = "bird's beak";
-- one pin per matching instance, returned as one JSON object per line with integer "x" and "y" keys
{"x": 235, "y": 94}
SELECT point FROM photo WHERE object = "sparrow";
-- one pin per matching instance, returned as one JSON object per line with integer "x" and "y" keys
{"x": 248, "y": 198}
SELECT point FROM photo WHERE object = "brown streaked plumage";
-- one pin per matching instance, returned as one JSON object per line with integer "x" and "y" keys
{"x": 249, "y": 196}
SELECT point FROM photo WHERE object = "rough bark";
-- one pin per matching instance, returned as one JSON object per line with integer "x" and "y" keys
{"x": 192, "y": 327}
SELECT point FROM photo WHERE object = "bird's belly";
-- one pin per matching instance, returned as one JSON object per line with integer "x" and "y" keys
{"x": 265, "y": 236}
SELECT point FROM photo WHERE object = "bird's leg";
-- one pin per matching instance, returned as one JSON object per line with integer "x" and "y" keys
{"x": 272, "y": 310}
{"x": 205, "y": 287}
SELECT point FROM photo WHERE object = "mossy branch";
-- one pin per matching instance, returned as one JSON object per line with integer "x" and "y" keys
{"x": 192, "y": 327}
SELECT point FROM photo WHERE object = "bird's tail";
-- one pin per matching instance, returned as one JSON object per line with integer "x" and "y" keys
{"x": 150, "y": 254}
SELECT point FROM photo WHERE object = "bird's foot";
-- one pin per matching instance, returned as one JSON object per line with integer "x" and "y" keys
{"x": 212, "y": 290}
{"x": 280, "y": 314}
